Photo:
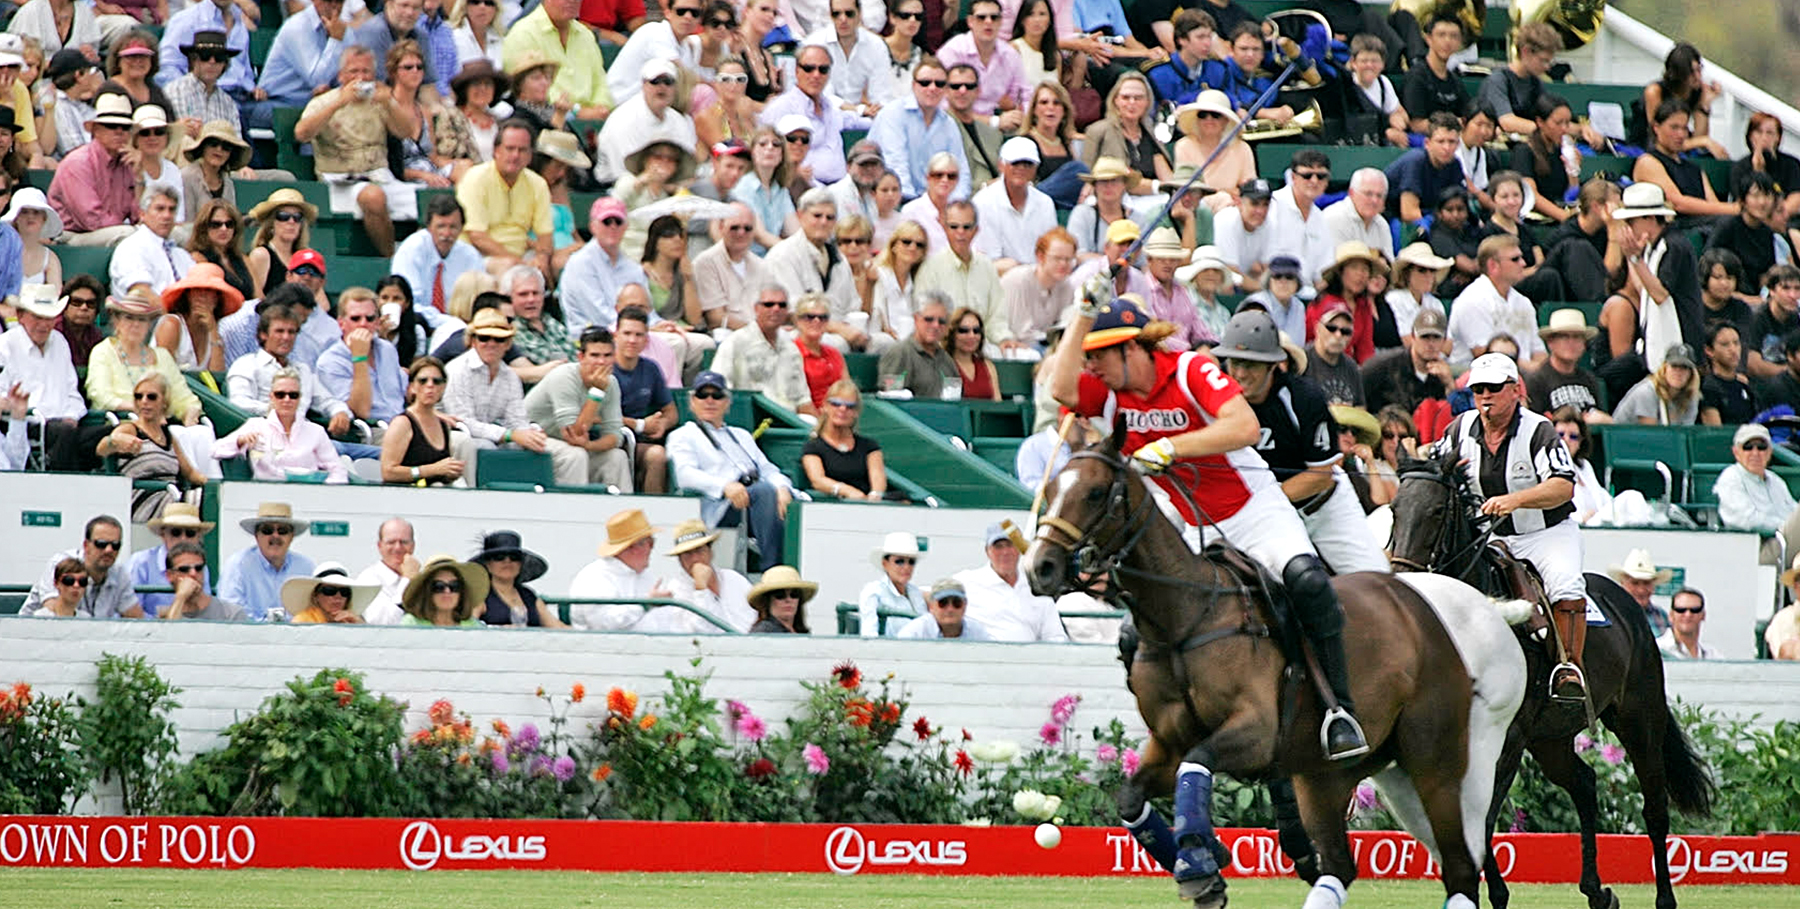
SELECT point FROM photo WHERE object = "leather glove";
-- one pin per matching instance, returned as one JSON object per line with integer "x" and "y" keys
{"x": 1155, "y": 457}
{"x": 1096, "y": 293}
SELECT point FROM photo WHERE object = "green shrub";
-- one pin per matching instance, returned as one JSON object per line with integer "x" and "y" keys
{"x": 125, "y": 731}
{"x": 41, "y": 768}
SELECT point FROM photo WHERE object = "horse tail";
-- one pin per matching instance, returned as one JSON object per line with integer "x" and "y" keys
{"x": 1690, "y": 786}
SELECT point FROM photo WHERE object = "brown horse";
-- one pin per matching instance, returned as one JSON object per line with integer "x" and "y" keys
{"x": 1434, "y": 530}
{"x": 1215, "y": 688}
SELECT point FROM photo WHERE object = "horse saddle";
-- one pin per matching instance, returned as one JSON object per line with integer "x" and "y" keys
{"x": 1252, "y": 576}
{"x": 1520, "y": 580}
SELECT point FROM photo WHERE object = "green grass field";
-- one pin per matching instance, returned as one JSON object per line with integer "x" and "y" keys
{"x": 300, "y": 889}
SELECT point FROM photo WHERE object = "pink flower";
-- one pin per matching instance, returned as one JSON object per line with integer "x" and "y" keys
{"x": 817, "y": 762}
{"x": 1612, "y": 754}
{"x": 751, "y": 727}
{"x": 736, "y": 709}
{"x": 1064, "y": 709}
{"x": 1366, "y": 797}
{"x": 1106, "y": 754}
{"x": 1128, "y": 761}
{"x": 1518, "y": 824}
{"x": 1583, "y": 743}
{"x": 1051, "y": 733}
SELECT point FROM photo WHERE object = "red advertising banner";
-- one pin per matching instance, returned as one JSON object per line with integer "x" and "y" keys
{"x": 420, "y": 845}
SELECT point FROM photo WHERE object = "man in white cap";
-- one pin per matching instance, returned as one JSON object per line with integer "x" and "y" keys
{"x": 648, "y": 117}
{"x": 1000, "y": 597}
{"x": 810, "y": 97}
{"x": 178, "y": 524}
{"x": 947, "y": 619}
{"x": 35, "y": 364}
{"x": 651, "y": 43}
{"x": 1640, "y": 577}
{"x": 1525, "y": 479}
{"x": 253, "y": 576}
{"x": 94, "y": 189}
{"x": 1014, "y": 212}
{"x": 1751, "y": 496}
{"x": 721, "y": 592}
{"x": 621, "y": 572}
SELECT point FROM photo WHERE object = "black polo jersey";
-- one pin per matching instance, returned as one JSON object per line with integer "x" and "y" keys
{"x": 1297, "y": 429}
{"x": 1548, "y": 458}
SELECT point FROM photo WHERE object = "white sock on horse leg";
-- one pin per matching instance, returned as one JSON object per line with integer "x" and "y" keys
{"x": 1458, "y": 901}
{"x": 1327, "y": 893}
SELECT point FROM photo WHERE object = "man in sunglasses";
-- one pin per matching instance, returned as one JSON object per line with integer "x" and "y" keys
{"x": 1327, "y": 362}
{"x": 727, "y": 271}
{"x": 179, "y": 524}
{"x": 1299, "y": 227}
{"x": 739, "y": 485}
{"x": 1523, "y": 475}
{"x": 946, "y": 619}
{"x": 85, "y": 295}
{"x": 964, "y": 274}
{"x": 484, "y": 393}
{"x": 595, "y": 274}
{"x": 95, "y": 189}
{"x": 910, "y": 132}
{"x": 1687, "y": 610}
{"x": 860, "y": 73}
{"x": 757, "y": 358}
{"x": 108, "y": 592}
{"x": 1751, "y": 496}
{"x": 1000, "y": 69}
{"x": 197, "y": 95}
{"x": 253, "y": 575}
{"x": 811, "y": 97}
{"x": 185, "y": 571}
{"x": 653, "y": 41}
{"x": 648, "y": 117}
{"x": 1492, "y": 305}
{"x": 920, "y": 360}
{"x": 981, "y": 139}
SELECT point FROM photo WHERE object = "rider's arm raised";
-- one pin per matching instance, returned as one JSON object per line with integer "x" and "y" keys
{"x": 1066, "y": 363}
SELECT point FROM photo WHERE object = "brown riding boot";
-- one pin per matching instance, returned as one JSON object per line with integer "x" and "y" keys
{"x": 1567, "y": 681}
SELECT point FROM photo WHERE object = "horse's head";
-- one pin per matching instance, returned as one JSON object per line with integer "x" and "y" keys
{"x": 1089, "y": 509}
{"x": 1428, "y": 517}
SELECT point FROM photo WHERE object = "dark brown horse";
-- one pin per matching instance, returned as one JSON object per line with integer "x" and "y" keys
{"x": 1434, "y": 530}
{"x": 1211, "y": 678}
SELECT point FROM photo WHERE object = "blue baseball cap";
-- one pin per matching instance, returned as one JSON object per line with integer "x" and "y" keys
{"x": 711, "y": 378}
{"x": 1118, "y": 322}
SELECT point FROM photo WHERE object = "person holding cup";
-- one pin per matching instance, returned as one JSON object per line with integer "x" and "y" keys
{"x": 919, "y": 363}
{"x": 973, "y": 369}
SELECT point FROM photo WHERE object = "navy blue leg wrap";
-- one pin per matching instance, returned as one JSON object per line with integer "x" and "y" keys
{"x": 1152, "y": 833}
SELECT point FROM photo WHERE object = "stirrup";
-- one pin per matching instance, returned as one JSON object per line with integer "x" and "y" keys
{"x": 1360, "y": 744}
{"x": 1556, "y": 675}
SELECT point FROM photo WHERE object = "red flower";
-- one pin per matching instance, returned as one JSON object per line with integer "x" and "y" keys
{"x": 602, "y": 772}
{"x": 964, "y": 764}
{"x": 760, "y": 769}
{"x": 859, "y": 712}
{"x": 343, "y": 686}
{"x": 422, "y": 737}
{"x": 577, "y": 692}
{"x": 621, "y": 702}
{"x": 442, "y": 712}
{"x": 890, "y": 713}
{"x": 967, "y": 737}
{"x": 922, "y": 728}
{"x": 21, "y": 692}
{"x": 847, "y": 674}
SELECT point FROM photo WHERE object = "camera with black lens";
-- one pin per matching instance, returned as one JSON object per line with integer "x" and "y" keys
{"x": 749, "y": 477}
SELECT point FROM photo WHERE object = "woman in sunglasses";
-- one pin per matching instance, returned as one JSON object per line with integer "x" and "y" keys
{"x": 117, "y": 368}
{"x": 283, "y": 227}
{"x": 764, "y": 189}
{"x": 445, "y": 593}
{"x": 216, "y": 240}
{"x": 729, "y": 114}
{"x": 283, "y": 445}
{"x": 838, "y": 461}
{"x": 478, "y": 32}
{"x": 1592, "y": 501}
{"x": 717, "y": 40}
{"x": 898, "y": 558}
{"x": 149, "y": 140}
{"x": 905, "y": 19}
{"x": 780, "y": 602}
{"x": 71, "y": 586}
{"x": 896, "y": 282}
{"x": 147, "y": 449}
{"x": 327, "y": 597}
{"x": 967, "y": 342}
{"x": 510, "y": 567}
{"x": 417, "y": 450}
{"x": 823, "y": 364}
{"x": 1203, "y": 124}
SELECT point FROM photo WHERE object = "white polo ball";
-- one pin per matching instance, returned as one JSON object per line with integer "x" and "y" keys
{"x": 1048, "y": 836}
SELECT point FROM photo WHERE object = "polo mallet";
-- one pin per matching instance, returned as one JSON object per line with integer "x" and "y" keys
{"x": 1062, "y": 437}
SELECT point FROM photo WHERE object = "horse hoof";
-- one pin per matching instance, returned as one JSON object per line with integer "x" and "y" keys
{"x": 1206, "y": 892}
{"x": 1607, "y": 900}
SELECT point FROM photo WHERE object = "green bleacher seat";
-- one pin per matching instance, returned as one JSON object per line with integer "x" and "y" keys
{"x": 864, "y": 369}
{"x": 1633, "y": 453}
{"x": 40, "y": 178}
{"x": 513, "y": 470}
{"x": 287, "y": 151}
{"x": 355, "y": 271}
{"x": 85, "y": 260}
{"x": 1015, "y": 377}
{"x": 426, "y": 194}
{"x": 260, "y": 41}
{"x": 1613, "y": 166}
{"x": 947, "y": 417}
{"x": 1000, "y": 452}
{"x": 1002, "y": 419}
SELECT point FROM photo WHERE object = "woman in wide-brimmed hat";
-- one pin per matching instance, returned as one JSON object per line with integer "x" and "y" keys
{"x": 150, "y": 130}
{"x": 196, "y": 303}
{"x": 283, "y": 227}
{"x": 898, "y": 558}
{"x": 37, "y": 223}
{"x": 1416, "y": 271}
{"x": 1203, "y": 123}
{"x": 214, "y": 157}
{"x": 532, "y": 75}
{"x": 510, "y": 566}
{"x": 1347, "y": 285}
{"x": 326, "y": 597}
{"x": 558, "y": 156}
{"x": 445, "y": 592}
{"x": 780, "y": 602}
{"x": 652, "y": 173}
{"x": 116, "y": 368}
{"x": 466, "y": 129}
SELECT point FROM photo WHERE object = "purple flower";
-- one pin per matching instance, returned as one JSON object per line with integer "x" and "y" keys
{"x": 1518, "y": 824}
{"x": 817, "y": 762}
{"x": 501, "y": 765}
{"x": 1051, "y": 733}
{"x": 1064, "y": 709}
{"x": 563, "y": 768}
{"x": 540, "y": 765}
{"x": 1583, "y": 743}
{"x": 751, "y": 727}
{"x": 1106, "y": 754}
{"x": 1612, "y": 754}
{"x": 525, "y": 742}
{"x": 1128, "y": 761}
{"x": 1366, "y": 796}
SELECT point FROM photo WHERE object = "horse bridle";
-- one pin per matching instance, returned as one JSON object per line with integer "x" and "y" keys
{"x": 1089, "y": 555}
{"x": 1442, "y": 553}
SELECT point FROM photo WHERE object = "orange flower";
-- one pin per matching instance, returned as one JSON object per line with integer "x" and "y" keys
{"x": 502, "y": 730}
{"x": 540, "y": 691}
{"x": 602, "y": 772}
{"x": 890, "y": 713}
{"x": 463, "y": 758}
{"x": 577, "y": 692}
{"x": 488, "y": 745}
{"x": 21, "y": 692}
{"x": 648, "y": 721}
{"x": 859, "y": 712}
{"x": 445, "y": 733}
{"x": 422, "y": 737}
{"x": 465, "y": 732}
{"x": 621, "y": 702}
{"x": 613, "y": 723}
{"x": 441, "y": 712}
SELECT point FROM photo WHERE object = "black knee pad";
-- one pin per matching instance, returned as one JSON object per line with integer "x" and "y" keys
{"x": 1315, "y": 603}
{"x": 1128, "y": 644}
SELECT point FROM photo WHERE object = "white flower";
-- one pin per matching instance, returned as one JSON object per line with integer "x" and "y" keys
{"x": 994, "y": 752}
{"x": 1035, "y": 805}
{"x": 978, "y": 822}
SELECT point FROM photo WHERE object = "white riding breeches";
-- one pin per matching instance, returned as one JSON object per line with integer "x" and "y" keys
{"x": 1556, "y": 553}
{"x": 1340, "y": 531}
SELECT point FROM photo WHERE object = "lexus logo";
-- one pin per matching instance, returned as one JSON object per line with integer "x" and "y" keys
{"x": 845, "y": 850}
{"x": 420, "y": 845}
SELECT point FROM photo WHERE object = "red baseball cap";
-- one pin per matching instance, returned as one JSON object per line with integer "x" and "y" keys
{"x": 307, "y": 257}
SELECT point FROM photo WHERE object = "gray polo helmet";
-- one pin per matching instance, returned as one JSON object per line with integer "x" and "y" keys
{"x": 1251, "y": 335}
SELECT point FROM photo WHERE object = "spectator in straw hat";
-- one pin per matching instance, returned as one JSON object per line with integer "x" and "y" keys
{"x": 327, "y": 596}
{"x": 716, "y": 590}
{"x": 1347, "y": 285}
{"x": 1416, "y": 272}
{"x": 484, "y": 394}
{"x": 215, "y": 157}
{"x": 1168, "y": 299}
{"x": 445, "y": 593}
{"x": 178, "y": 524}
{"x": 1640, "y": 577}
{"x": 897, "y": 557}
{"x": 1561, "y": 381}
{"x": 253, "y": 576}
{"x": 621, "y": 572}
{"x": 948, "y": 617}
{"x": 1209, "y": 275}
{"x": 510, "y": 566}
{"x": 185, "y": 567}
{"x": 780, "y": 602}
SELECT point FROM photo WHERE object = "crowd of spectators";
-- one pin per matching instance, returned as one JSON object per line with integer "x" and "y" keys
{"x": 765, "y": 189}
